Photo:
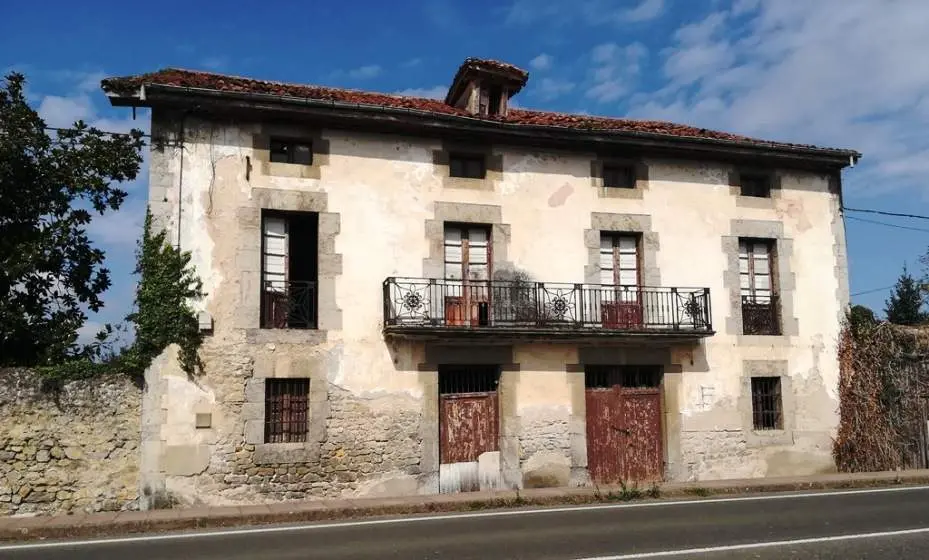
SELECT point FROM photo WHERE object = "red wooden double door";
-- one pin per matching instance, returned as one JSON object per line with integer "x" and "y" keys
{"x": 624, "y": 431}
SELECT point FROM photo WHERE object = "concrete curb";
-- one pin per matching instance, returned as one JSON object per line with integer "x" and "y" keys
{"x": 135, "y": 522}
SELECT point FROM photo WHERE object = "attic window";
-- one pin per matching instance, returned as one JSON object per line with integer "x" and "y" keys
{"x": 618, "y": 176}
{"x": 490, "y": 102}
{"x": 470, "y": 166}
{"x": 291, "y": 151}
{"x": 755, "y": 184}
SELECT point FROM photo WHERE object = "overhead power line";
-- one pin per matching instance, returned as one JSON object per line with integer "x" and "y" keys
{"x": 871, "y": 291}
{"x": 885, "y": 213}
{"x": 887, "y": 224}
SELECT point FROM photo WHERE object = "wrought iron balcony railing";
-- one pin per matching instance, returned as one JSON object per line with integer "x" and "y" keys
{"x": 288, "y": 305}
{"x": 498, "y": 305}
{"x": 761, "y": 315}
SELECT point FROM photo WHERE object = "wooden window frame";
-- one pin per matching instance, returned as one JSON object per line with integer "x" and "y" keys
{"x": 290, "y": 148}
{"x": 617, "y": 269}
{"x": 459, "y": 162}
{"x": 771, "y": 247}
{"x": 767, "y": 403}
{"x": 472, "y": 305}
{"x": 287, "y": 406}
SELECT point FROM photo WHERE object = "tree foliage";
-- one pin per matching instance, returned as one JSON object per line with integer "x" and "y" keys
{"x": 163, "y": 316}
{"x": 906, "y": 301}
{"x": 50, "y": 186}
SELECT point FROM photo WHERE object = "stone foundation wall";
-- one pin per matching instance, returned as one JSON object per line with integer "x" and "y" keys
{"x": 71, "y": 450}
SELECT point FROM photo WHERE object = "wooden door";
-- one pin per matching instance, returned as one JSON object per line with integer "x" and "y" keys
{"x": 624, "y": 431}
{"x": 467, "y": 275}
{"x": 604, "y": 456}
{"x": 467, "y": 426}
{"x": 620, "y": 279}
{"x": 642, "y": 456}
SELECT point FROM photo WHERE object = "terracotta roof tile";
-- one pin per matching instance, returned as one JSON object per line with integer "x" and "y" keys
{"x": 128, "y": 85}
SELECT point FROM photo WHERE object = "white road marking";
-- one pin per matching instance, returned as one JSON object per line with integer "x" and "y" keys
{"x": 769, "y": 544}
{"x": 445, "y": 517}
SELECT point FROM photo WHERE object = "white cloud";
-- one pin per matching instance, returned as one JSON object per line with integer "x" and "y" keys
{"x": 842, "y": 73}
{"x": 615, "y": 70}
{"x": 412, "y": 62}
{"x": 365, "y": 72}
{"x": 589, "y": 12}
{"x": 645, "y": 11}
{"x": 62, "y": 112}
{"x": 435, "y": 92}
{"x": 552, "y": 88}
{"x": 541, "y": 62}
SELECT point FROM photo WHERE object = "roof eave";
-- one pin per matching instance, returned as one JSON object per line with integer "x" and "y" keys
{"x": 147, "y": 95}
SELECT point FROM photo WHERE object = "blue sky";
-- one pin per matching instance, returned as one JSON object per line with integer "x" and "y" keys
{"x": 841, "y": 73}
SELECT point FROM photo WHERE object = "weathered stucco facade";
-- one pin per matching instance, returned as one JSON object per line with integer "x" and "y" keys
{"x": 382, "y": 200}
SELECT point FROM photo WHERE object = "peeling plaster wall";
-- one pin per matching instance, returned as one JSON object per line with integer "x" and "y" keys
{"x": 373, "y": 419}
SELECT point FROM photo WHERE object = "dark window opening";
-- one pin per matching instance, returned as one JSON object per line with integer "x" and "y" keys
{"x": 467, "y": 165}
{"x": 757, "y": 185}
{"x": 468, "y": 379}
{"x": 291, "y": 151}
{"x": 619, "y": 176}
{"x": 766, "y": 403}
{"x": 286, "y": 410}
{"x": 757, "y": 276}
{"x": 289, "y": 268}
{"x": 629, "y": 377}
{"x": 494, "y": 104}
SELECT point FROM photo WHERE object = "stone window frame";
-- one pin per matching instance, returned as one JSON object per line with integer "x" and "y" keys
{"x": 783, "y": 275}
{"x": 641, "y": 224}
{"x": 248, "y": 265}
{"x": 735, "y": 187}
{"x": 267, "y": 366}
{"x": 670, "y": 385}
{"x": 465, "y": 213}
{"x": 261, "y": 154}
{"x": 762, "y": 438}
{"x": 640, "y": 170}
{"x": 437, "y": 354}
{"x": 493, "y": 166}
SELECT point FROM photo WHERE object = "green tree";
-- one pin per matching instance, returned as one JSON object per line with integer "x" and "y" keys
{"x": 50, "y": 186}
{"x": 906, "y": 301}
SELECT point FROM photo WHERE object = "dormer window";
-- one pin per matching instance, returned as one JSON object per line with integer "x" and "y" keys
{"x": 483, "y": 87}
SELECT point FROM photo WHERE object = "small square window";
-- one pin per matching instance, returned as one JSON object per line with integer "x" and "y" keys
{"x": 286, "y": 410}
{"x": 757, "y": 185}
{"x": 619, "y": 176}
{"x": 766, "y": 403}
{"x": 290, "y": 151}
{"x": 470, "y": 166}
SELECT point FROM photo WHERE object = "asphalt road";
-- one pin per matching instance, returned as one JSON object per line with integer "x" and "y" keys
{"x": 884, "y": 524}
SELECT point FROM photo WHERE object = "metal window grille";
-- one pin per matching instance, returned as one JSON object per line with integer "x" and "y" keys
{"x": 766, "y": 403}
{"x": 630, "y": 377}
{"x": 619, "y": 176}
{"x": 468, "y": 379}
{"x": 286, "y": 410}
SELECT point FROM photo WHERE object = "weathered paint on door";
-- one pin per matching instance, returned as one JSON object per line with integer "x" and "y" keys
{"x": 467, "y": 426}
{"x": 624, "y": 434}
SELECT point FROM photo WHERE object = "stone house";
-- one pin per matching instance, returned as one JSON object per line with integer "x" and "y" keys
{"x": 415, "y": 296}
